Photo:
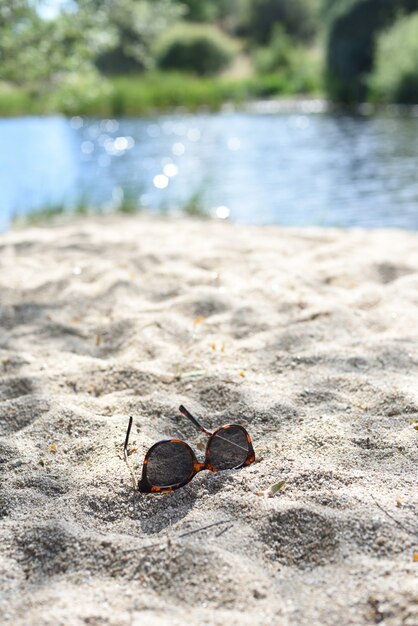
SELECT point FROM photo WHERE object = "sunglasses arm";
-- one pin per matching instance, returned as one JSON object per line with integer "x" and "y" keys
{"x": 187, "y": 413}
{"x": 126, "y": 454}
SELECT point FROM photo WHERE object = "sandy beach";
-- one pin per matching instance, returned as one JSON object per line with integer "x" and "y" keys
{"x": 307, "y": 337}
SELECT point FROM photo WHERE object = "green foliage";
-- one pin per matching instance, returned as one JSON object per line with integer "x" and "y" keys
{"x": 85, "y": 93}
{"x": 157, "y": 91}
{"x": 98, "y": 57}
{"x": 353, "y": 28}
{"x": 33, "y": 50}
{"x": 395, "y": 76}
{"x": 135, "y": 25}
{"x": 201, "y": 11}
{"x": 154, "y": 91}
{"x": 14, "y": 101}
{"x": 297, "y": 17}
{"x": 117, "y": 35}
{"x": 194, "y": 206}
{"x": 40, "y": 217}
{"x": 233, "y": 15}
{"x": 161, "y": 91}
{"x": 277, "y": 55}
{"x": 299, "y": 67}
{"x": 127, "y": 204}
{"x": 201, "y": 49}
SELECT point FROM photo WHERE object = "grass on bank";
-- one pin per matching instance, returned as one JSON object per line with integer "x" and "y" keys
{"x": 127, "y": 204}
{"x": 153, "y": 91}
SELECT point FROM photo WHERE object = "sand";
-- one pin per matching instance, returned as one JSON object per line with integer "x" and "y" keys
{"x": 306, "y": 337}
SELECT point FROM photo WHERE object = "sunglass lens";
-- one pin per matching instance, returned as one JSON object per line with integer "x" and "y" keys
{"x": 228, "y": 448}
{"x": 169, "y": 463}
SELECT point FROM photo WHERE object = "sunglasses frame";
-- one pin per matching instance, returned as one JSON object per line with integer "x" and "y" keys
{"x": 145, "y": 486}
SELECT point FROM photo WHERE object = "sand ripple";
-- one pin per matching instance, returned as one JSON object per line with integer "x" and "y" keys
{"x": 306, "y": 337}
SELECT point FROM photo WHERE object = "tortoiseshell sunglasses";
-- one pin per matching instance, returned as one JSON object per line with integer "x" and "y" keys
{"x": 171, "y": 463}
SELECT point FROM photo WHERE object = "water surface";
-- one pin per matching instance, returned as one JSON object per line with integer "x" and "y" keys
{"x": 289, "y": 169}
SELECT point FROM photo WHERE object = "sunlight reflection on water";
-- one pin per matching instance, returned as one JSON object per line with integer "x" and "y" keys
{"x": 293, "y": 168}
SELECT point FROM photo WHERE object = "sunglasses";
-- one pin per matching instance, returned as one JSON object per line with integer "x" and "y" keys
{"x": 171, "y": 463}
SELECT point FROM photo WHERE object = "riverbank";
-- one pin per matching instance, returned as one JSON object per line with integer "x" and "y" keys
{"x": 307, "y": 337}
{"x": 150, "y": 93}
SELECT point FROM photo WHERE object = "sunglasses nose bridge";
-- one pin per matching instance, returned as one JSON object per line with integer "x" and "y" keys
{"x": 198, "y": 467}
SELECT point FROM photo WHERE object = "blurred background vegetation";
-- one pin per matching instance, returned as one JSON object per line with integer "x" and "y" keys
{"x": 126, "y": 57}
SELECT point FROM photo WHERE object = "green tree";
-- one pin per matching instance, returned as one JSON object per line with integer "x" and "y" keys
{"x": 134, "y": 26}
{"x": 233, "y": 15}
{"x": 198, "y": 48}
{"x": 353, "y": 28}
{"x": 202, "y": 11}
{"x": 297, "y": 17}
{"x": 34, "y": 50}
{"x": 395, "y": 76}
{"x": 117, "y": 35}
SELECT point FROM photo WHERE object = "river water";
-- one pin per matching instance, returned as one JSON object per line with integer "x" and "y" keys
{"x": 288, "y": 168}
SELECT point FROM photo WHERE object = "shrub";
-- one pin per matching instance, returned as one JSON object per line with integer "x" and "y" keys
{"x": 196, "y": 48}
{"x": 201, "y": 11}
{"x": 277, "y": 55}
{"x": 232, "y": 14}
{"x": 14, "y": 101}
{"x": 76, "y": 94}
{"x": 395, "y": 76}
{"x": 297, "y": 17}
{"x": 299, "y": 68}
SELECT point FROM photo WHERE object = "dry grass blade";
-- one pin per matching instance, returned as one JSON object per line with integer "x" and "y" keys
{"x": 279, "y": 486}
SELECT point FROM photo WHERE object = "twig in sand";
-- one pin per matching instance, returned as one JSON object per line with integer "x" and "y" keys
{"x": 126, "y": 454}
{"x": 198, "y": 530}
{"x": 408, "y": 530}
{"x": 224, "y": 530}
{"x": 185, "y": 534}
